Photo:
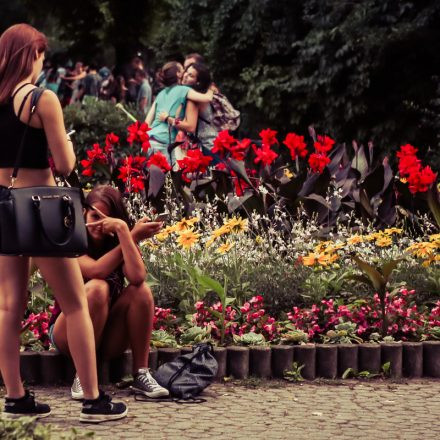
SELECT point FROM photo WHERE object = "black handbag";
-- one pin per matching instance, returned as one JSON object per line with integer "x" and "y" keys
{"x": 188, "y": 375}
{"x": 43, "y": 221}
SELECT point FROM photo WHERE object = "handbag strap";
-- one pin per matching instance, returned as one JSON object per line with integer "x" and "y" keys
{"x": 35, "y": 96}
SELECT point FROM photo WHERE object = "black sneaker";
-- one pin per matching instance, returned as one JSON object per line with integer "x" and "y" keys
{"x": 25, "y": 406}
{"x": 102, "y": 409}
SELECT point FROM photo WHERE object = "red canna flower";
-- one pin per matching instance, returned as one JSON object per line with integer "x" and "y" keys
{"x": 110, "y": 140}
{"x": 407, "y": 150}
{"x": 268, "y": 137}
{"x": 194, "y": 162}
{"x": 296, "y": 145}
{"x": 223, "y": 143}
{"x": 420, "y": 181}
{"x": 318, "y": 162}
{"x": 324, "y": 144}
{"x": 239, "y": 149}
{"x": 409, "y": 165}
{"x": 138, "y": 133}
{"x": 264, "y": 154}
{"x": 130, "y": 172}
{"x": 95, "y": 155}
{"x": 160, "y": 161}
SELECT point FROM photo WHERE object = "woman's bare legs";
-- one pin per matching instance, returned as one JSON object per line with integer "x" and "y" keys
{"x": 130, "y": 324}
{"x": 98, "y": 300}
{"x": 14, "y": 274}
{"x": 64, "y": 277}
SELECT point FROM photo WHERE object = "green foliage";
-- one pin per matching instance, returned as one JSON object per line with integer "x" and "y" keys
{"x": 27, "y": 428}
{"x": 162, "y": 339}
{"x": 344, "y": 333}
{"x": 294, "y": 374}
{"x": 250, "y": 338}
{"x": 93, "y": 121}
{"x": 194, "y": 335}
{"x": 292, "y": 335}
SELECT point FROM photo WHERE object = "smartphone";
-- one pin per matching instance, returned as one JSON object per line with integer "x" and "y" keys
{"x": 71, "y": 132}
{"x": 163, "y": 217}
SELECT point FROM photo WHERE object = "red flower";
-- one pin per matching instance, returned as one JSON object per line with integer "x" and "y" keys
{"x": 420, "y": 181}
{"x": 324, "y": 144}
{"x": 239, "y": 149}
{"x": 318, "y": 162}
{"x": 408, "y": 165}
{"x": 220, "y": 166}
{"x": 296, "y": 145}
{"x": 138, "y": 133}
{"x": 407, "y": 150}
{"x": 268, "y": 137}
{"x": 110, "y": 140}
{"x": 194, "y": 162}
{"x": 160, "y": 161}
{"x": 264, "y": 154}
{"x": 223, "y": 142}
{"x": 95, "y": 155}
{"x": 130, "y": 172}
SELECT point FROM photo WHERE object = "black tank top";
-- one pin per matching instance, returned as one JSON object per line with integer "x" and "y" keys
{"x": 35, "y": 150}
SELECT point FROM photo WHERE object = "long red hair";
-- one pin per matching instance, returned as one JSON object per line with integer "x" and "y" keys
{"x": 19, "y": 46}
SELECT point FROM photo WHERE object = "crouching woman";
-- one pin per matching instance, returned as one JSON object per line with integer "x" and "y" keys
{"x": 122, "y": 316}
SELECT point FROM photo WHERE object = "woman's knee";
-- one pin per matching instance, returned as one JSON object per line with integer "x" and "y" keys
{"x": 140, "y": 295}
{"x": 98, "y": 294}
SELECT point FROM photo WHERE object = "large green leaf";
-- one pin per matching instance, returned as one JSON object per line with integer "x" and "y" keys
{"x": 360, "y": 162}
{"x": 239, "y": 168}
{"x": 156, "y": 181}
{"x": 388, "y": 267}
{"x": 376, "y": 279}
{"x": 212, "y": 284}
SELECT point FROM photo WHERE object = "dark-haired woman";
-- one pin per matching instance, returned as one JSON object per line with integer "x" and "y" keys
{"x": 122, "y": 316}
{"x": 171, "y": 100}
{"x": 198, "y": 116}
{"x": 22, "y": 51}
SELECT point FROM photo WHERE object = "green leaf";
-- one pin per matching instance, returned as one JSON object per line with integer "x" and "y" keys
{"x": 375, "y": 277}
{"x": 434, "y": 203}
{"x": 388, "y": 267}
{"x": 211, "y": 284}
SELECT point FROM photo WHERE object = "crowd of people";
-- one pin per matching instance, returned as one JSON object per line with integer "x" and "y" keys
{"x": 176, "y": 102}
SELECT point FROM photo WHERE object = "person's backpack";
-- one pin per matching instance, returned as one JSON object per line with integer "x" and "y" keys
{"x": 225, "y": 117}
{"x": 189, "y": 374}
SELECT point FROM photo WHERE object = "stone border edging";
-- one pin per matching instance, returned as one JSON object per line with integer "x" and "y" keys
{"x": 408, "y": 359}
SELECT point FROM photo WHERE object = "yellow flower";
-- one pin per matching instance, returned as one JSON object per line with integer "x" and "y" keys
{"x": 435, "y": 238}
{"x": 259, "y": 239}
{"x": 309, "y": 260}
{"x": 164, "y": 233}
{"x": 384, "y": 241}
{"x": 374, "y": 236}
{"x": 326, "y": 259}
{"x": 322, "y": 245}
{"x": 423, "y": 249}
{"x": 288, "y": 174}
{"x": 237, "y": 224}
{"x": 187, "y": 238}
{"x": 391, "y": 231}
{"x": 186, "y": 223}
{"x": 333, "y": 247}
{"x": 149, "y": 244}
{"x": 355, "y": 239}
{"x": 217, "y": 233}
{"x": 403, "y": 180}
{"x": 225, "y": 247}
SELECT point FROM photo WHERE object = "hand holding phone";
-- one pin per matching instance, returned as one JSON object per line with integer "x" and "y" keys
{"x": 163, "y": 217}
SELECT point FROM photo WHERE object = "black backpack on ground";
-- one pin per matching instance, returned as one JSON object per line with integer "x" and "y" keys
{"x": 189, "y": 374}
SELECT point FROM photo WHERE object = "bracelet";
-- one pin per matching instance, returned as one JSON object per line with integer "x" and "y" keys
{"x": 167, "y": 119}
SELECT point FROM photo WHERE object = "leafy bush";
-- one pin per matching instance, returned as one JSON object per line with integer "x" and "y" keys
{"x": 93, "y": 121}
{"x": 250, "y": 338}
{"x": 27, "y": 428}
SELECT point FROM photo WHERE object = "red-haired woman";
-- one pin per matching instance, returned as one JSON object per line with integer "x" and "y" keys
{"x": 22, "y": 51}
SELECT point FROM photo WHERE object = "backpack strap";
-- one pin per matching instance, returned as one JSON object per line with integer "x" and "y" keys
{"x": 35, "y": 96}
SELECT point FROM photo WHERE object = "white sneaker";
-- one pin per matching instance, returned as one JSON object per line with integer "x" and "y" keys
{"x": 145, "y": 383}
{"x": 76, "y": 390}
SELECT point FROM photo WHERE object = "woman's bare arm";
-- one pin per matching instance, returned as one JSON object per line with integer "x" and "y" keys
{"x": 51, "y": 115}
{"x": 190, "y": 121}
{"x": 200, "y": 97}
{"x": 150, "y": 116}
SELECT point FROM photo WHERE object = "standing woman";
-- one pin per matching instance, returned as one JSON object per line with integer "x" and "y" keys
{"x": 21, "y": 58}
{"x": 172, "y": 101}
